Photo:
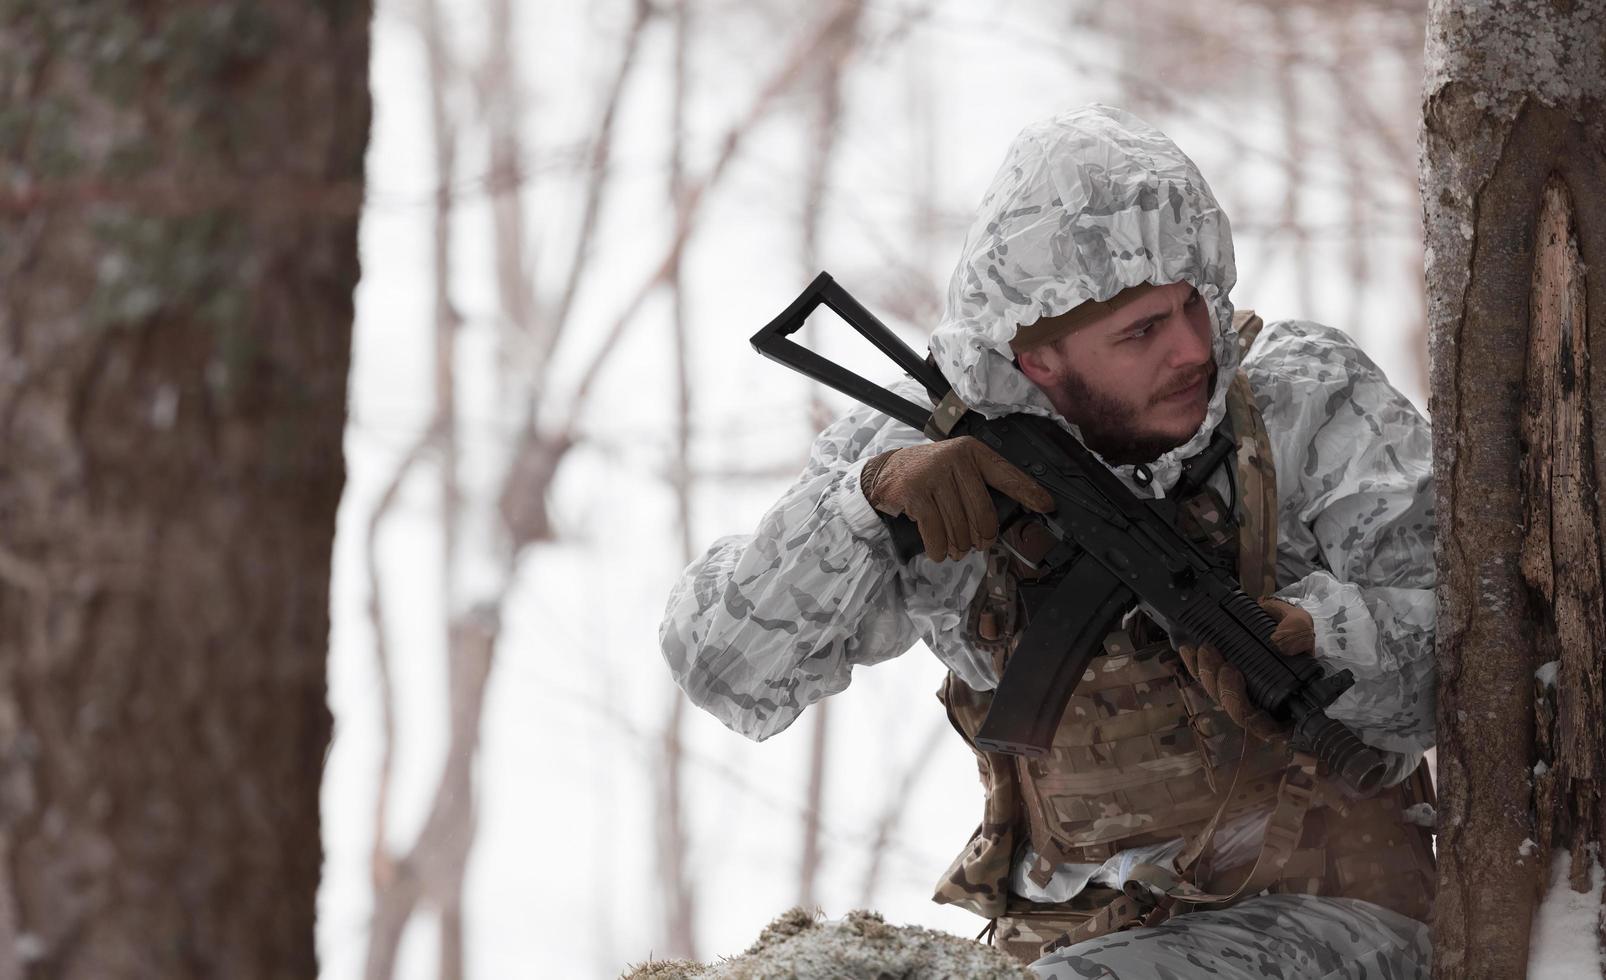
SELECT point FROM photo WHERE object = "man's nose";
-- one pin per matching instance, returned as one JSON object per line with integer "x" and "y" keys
{"x": 1189, "y": 346}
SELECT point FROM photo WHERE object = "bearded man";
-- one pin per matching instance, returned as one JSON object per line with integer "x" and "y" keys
{"x": 1171, "y": 831}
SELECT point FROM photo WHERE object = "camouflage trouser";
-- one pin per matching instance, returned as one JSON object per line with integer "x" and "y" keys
{"x": 1282, "y": 937}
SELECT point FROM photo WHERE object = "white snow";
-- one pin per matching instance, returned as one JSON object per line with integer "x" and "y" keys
{"x": 1420, "y": 814}
{"x": 1546, "y": 674}
{"x": 1565, "y": 944}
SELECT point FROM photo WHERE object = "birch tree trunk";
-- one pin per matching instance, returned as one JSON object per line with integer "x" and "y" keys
{"x": 1514, "y": 159}
{"x": 179, "y": 192}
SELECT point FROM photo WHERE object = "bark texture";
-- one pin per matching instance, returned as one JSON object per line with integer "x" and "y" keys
{"x": 1514, "y": 156}
{"x": 179, "y": 191}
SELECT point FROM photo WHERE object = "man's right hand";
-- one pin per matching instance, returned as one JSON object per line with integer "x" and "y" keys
{"x": 942, "y": 486}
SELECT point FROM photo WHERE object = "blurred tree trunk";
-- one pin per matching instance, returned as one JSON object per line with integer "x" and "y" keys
{"x": 842, "y": 44}
{"x": 673, "y": 818}
{"x": 1514, "y": 159}
{"x": 178, "y": 220}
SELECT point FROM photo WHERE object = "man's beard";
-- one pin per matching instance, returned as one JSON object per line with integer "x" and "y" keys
{"x": 1107, "y": 425}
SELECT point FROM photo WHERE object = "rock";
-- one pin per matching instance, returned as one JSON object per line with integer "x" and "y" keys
{"x": 860, "y": 944}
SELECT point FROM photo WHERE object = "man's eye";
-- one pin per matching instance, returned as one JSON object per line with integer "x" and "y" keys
{"x": 1139, "y": 333}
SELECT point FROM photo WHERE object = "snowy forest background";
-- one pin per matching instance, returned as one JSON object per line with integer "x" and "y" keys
{"x": 576, "y": 214}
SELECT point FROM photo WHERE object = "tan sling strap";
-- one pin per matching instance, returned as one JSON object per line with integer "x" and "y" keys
{"x": 1151, "y": 891}
{"x": 1283, "y": 827}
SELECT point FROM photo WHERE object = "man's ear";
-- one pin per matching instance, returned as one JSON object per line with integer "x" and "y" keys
{"x": 1039, "y": 365}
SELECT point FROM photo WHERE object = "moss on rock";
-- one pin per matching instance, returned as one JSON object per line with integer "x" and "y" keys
{"x": 860, "y": 944}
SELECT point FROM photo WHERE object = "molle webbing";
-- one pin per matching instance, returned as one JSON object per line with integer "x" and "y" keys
{"x": 1142, "y": 754}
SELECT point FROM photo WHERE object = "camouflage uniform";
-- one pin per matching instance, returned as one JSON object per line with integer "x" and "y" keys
{"x": 1086, "y": 204}
{"x": 1272, "y": 937}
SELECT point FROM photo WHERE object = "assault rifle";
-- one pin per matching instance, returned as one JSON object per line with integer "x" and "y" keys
{"x": 1112, "y": 549}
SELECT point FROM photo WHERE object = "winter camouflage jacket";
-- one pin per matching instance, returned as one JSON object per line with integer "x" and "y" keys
{"x": 1086, "y": 204}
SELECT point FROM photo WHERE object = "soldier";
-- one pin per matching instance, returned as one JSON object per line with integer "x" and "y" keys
{"x": 1171, "y": 832}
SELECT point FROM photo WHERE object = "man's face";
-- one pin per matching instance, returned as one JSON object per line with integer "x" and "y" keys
{"x": 1137, "y": 380}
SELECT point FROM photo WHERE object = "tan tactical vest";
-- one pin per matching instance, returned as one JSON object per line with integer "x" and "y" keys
{"x": 1143, "y": 755}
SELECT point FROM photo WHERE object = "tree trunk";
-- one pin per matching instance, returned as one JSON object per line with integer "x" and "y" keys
{"x": 676, "y": 878}
{"x": 178, "y": 217}
{"x": 1514, "y": 156}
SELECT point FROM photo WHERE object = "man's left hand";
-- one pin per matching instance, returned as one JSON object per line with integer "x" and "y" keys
{"x": 1295, "y": 636}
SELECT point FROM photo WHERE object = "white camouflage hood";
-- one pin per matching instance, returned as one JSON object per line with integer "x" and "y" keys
{"x": 1087, "y": 203}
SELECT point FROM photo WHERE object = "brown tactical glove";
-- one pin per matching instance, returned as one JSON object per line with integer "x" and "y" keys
{"x": 1295, "y": 636}
{"x": 942, "y": 486}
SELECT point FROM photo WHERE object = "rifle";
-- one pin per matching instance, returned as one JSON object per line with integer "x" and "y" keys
{"x": 1112, "y": 549}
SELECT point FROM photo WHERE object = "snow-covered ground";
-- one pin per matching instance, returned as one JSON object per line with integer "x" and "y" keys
{"x": 1566, "y": 933}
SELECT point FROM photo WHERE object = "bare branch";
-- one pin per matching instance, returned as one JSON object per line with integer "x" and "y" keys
{"x": 1357, "y": 248}
{"x": 686, "y": 215}
{"x": 502, "y": 106}
{"x": 383, "y": 865}
{"x": 615, "y": 721}
{"x": 596, "y": 187}
{"x": 175, "y": 194}
{"x": 843, "y": 39}
{"x": 1290, "y": 110}
{"x": 886, "y": 827}
{"x": 441, "y": 852}
{"x": 808, "y": 870}
{"x": 397, "y": 885}
{"x": 1400, "y": 156}
{"x": 673, "y": 836}
{"x": 433, "y": 867}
